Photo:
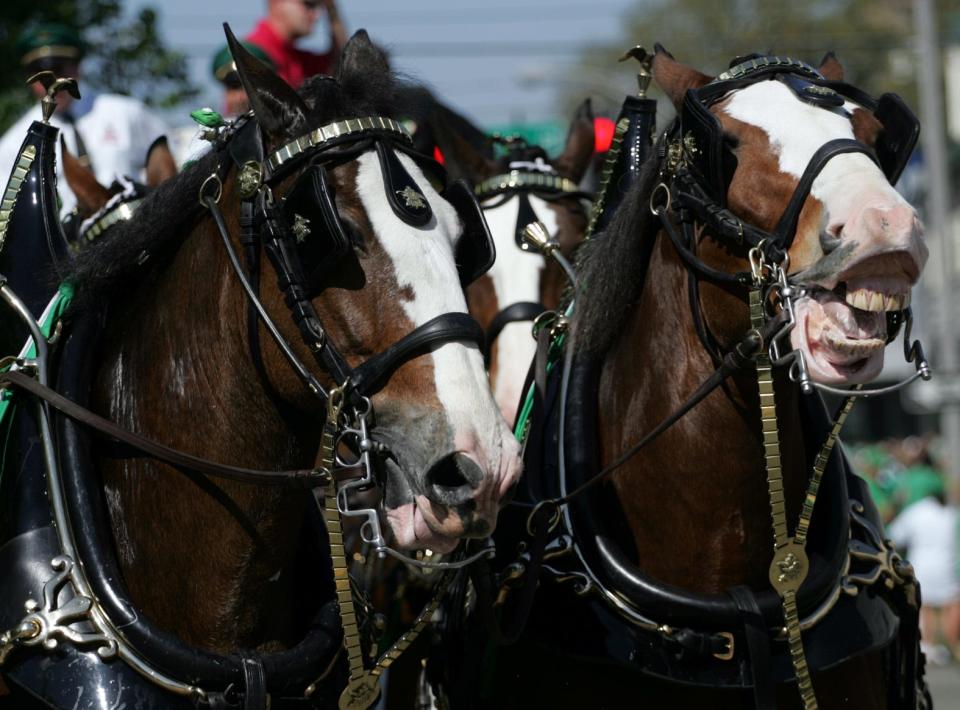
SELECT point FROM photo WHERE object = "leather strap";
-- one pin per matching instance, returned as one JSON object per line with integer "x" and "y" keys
{"x": 506, "y": 634}
{"x": 255, "y": 696}
{"x": 374, "y": 373}
{"x": 758, "y": 646}
{"x": 308, "y": 478}
{"x": 514, "y": 313}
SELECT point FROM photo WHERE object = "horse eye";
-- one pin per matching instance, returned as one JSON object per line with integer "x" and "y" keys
{"x": 730, "y": 141}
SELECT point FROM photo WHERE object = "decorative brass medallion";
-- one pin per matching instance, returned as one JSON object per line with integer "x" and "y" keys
{"x": 249, "y": 179}
{"x": 360, "y": 693}
{"x": 680, "y": 151}
{"x": 821, "y": 90}
{"x": 412, "y": 198}
{"x": 301, "y": 228}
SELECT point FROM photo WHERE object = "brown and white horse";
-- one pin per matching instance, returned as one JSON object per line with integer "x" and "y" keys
{"x": 694, "y": 538}
{"x": 518, "y": 276}
{"x": 363, "y": 241}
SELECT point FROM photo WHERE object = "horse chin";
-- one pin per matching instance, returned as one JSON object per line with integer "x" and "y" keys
{"x": 842, "y": 345}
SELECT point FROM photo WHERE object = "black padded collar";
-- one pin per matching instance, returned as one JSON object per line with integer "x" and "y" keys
{"x": 827, "y": 544}
{"x": 287, "y": 672}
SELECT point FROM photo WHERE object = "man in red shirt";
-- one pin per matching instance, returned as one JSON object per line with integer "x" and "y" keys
{"x": 285, "y": 23}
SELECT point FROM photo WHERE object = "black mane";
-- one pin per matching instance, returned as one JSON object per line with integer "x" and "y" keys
{"x": 611, "y": 266}
{"x": 110, "y": 267}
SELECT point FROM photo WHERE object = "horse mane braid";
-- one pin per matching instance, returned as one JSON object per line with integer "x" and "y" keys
{"x": 611, "y": 266}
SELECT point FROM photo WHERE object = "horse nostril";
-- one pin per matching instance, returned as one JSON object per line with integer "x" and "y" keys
{"x": 830, "y": 239}
{"x": 453, "y": 479}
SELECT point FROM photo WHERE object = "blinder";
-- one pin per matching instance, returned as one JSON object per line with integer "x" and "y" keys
{"x": 311, "y": 215}
{"x": 475, "y": 252}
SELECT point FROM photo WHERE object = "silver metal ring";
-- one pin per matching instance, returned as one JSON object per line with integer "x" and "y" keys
{"x": 666, "y": 207}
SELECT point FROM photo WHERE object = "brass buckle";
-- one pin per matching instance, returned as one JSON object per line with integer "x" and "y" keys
{"x": 728, "y": 654}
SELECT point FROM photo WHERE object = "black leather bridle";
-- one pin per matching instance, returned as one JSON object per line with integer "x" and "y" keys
{"x": 265, "y": 226}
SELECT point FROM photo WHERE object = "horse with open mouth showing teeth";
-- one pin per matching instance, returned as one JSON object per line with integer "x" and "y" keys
{"x": 732, "y": 560}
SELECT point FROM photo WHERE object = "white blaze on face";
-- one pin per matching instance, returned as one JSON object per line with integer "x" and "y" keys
{"x": 848, "y": 183}
{"x": 423, "y": 261}
{"x": 516, "y": 277}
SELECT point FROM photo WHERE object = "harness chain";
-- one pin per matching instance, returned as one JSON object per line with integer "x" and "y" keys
{"x": 363, "y": 688}
{"x": 789, "y": 566}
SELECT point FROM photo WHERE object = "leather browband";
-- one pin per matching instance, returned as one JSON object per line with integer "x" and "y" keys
{"x": 334, "y": 134}
{"x": 521, "y": 179}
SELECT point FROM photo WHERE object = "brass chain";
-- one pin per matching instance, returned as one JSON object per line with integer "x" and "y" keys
{"x": 363, "y": 686}
{"x": 789, "y": 566}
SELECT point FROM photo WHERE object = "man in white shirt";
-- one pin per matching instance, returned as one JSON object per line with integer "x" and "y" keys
{"x": 110, "y": 133}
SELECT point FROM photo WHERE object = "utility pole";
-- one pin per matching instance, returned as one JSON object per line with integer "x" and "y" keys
{"x": 930, "y": 77}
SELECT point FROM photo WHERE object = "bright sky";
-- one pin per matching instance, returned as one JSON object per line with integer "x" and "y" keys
{"x": 497, "y": 61}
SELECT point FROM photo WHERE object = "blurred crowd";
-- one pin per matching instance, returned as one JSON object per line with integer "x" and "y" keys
{"x": 906, "y": 478}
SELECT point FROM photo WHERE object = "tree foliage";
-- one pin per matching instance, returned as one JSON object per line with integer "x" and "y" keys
{"x": 124, "y": 54}
{"x": 874, "y": 39}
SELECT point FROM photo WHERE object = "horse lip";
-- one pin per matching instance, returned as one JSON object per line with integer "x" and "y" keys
{"x": 819, "y": 274}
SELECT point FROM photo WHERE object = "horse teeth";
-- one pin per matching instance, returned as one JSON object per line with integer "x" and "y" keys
{"x": 866, "y": 300}
{"x": 857, "y": 299}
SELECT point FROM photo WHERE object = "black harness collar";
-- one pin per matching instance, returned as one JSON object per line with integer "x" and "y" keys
{"x": 287, "y": 673}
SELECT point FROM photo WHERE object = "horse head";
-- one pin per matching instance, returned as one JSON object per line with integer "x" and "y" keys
{"x": 387, "y": 257}
{"x": 855, "y": 246}
{"x": 523, "y": 186}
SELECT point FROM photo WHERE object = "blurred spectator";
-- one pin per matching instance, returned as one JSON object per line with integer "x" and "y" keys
{"x": 873, "y": 463}
{"x": 111, "y": 134}
{"x": 926, "y": 532}
{"x": 918, "y": 478}
{"x": 224, "y": 68}
{"x": 290, "y": 20}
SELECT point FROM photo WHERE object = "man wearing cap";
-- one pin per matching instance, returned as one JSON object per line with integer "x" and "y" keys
{"x": 109, "y": 132}
{"x": 290, "y": 20}
{"x": 235, "y": 99}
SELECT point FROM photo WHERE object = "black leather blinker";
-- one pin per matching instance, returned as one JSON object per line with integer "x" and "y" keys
{"x": 816, "y": 94}
{"x": 525, "y": 215}
{"x": 403, "y": 193}
{"x": 311, "y": 215}
{"x": 475, "y": 251}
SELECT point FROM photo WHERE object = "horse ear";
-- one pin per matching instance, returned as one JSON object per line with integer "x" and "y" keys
{"x": 279, "y": 110}
{"x": 160, "y": 163}
{"x": 831, "y": 68}
{"x": 462, "y": 158}
{"x": 575, "y": 159}
{"x": 361, "y": 59}
{"x": 91, "y": 195}
{"x": 675, "y": 78}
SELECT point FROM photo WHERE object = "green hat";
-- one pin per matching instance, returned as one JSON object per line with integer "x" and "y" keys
{"x": 223, "y": 64}
{"x": 50, "y": 41}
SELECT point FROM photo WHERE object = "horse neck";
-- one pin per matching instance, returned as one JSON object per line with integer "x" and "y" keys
{"x": 696, "y": 498}
{"x": 206, "y": 559}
